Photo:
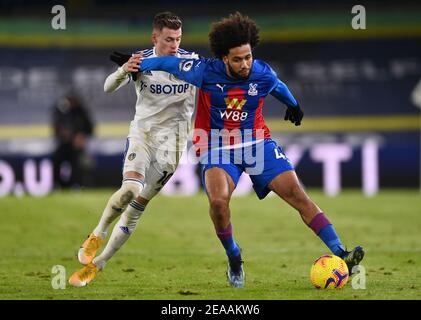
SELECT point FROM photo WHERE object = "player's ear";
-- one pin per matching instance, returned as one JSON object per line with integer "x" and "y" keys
{"x": 225, "y": 59}
{"x": 154, "y": 37}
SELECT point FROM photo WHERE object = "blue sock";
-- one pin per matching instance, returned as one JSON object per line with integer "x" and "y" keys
{"x": 331, "y": 239}
{"x": 225, "y": 236}
{"x": 325, "y": 230}
{"x": 231, "y": 247}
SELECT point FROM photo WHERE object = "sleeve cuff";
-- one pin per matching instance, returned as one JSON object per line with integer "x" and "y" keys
{"x": 122, "y": 72}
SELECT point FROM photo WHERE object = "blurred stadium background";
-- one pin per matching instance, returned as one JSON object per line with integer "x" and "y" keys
{"x": 357, "y": 87}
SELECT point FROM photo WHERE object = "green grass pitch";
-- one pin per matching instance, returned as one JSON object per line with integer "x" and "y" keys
{"x": 174, "y": 253}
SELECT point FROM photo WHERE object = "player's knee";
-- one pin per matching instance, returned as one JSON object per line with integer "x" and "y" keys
{"x": 298, "y": 198}
{"x": 219, "y": 205}
{"x": 127, "y": 193}
{"x": 294, "y": 193}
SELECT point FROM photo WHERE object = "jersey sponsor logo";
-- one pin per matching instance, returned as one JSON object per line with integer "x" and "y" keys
{"x": 234, "y": 103}
{"x": 253, "y": 89}
{"x": 131, "y": 156}
{"x": 170, "y": 89}
{"x": 157, "y": 88}
{"x": 233, "y": 111}
{"x": 233, "y": 115}
{"x": 143, "y": 85}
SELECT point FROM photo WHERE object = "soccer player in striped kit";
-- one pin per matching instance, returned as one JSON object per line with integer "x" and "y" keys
{"x": 231, "y": 136}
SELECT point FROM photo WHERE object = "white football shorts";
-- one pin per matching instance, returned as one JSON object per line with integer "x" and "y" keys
{"x": 156, "y": 162}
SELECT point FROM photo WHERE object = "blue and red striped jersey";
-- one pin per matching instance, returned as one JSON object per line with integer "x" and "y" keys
{"x": 225, "y": 102}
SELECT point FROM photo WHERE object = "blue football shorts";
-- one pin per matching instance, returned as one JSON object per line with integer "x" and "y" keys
{"x": 263, "y": 161}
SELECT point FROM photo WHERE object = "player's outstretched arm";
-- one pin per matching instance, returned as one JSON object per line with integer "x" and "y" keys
{"x": 293, "y": 112}
{"x": 189, "y": 70}
{"x": 116, "y": 80}
{"x": 122, "y": 58}
{"x": 128, "y": 64}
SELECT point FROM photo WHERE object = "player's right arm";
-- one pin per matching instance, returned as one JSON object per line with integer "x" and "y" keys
{"x": 121, "y": 77}
{"x": 189, "y": 70}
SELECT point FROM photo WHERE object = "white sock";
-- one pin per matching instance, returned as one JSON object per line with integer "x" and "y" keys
{"x": 121, "y": 232}
{"x": 108, "y": 216}
{"x": 117, "y": 203}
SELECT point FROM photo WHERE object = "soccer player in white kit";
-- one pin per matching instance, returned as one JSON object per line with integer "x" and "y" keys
{"x": 157, "y": 136}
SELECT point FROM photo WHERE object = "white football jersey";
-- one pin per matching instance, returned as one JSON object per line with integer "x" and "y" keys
{"x": 164, "y": 104}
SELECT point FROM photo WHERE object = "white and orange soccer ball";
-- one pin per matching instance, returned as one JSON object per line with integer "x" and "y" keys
{"x": 329, "y": 272}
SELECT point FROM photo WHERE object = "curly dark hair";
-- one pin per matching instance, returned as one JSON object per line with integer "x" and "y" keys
{"x": 166, "y": 20}
{"x": 232, "y": 32}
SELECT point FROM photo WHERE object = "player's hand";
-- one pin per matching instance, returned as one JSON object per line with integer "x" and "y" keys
{"x": 132, "y": 65}
{"x": 294, "y": 114}
{"x": 119, "y": 58}
{"x": 122, "y": 59}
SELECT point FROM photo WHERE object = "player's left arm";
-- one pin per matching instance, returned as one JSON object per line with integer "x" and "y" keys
{"x": 293, "y": 112}
{"x": 281, "y": 92}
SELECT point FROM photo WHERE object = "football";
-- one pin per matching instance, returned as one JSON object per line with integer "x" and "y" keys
{"x": 329, "y": 272}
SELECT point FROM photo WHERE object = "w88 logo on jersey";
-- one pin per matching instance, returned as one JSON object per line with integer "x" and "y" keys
{"x": 234, "y": 110}
{"x": 234, "y": 115}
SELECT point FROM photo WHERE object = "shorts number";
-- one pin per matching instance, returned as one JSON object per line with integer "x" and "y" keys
{"x": 278, "y": 154}
{"x": 164, "y": 179}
